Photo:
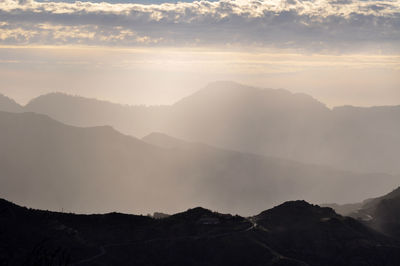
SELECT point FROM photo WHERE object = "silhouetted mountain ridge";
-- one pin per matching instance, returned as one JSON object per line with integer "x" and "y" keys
{"x": 195, "y": 237}
{"x": 298, "y": 224}
{"x": 300, "y": 209}
{"x": 272, "y": 122}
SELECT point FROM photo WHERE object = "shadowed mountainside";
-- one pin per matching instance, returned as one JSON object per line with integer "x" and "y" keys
{"x": 53, "y": 166}
{"x": 294, "y": 233}
{"x": 381, "y": 213}
{"x": 297, "y": 226}
{"x": 263, "y": 121}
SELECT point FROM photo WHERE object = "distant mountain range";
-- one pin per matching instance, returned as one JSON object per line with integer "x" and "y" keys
{"x": 295, "y": 233}
{"x": 228, "y": 147}
{"x": 268, "y": 122}
{"x": 50, "y": 165}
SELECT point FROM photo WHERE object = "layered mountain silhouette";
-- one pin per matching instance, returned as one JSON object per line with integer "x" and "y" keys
{"x": 50, "y": 165}
{"x": 227, "y": 147}
{"x": 9, "y": 105}
{"x": 294, "y": 233}
{"x": 381, "y": 213}
{"x": 319, "y": 236}
{"x": 268, "y": 122}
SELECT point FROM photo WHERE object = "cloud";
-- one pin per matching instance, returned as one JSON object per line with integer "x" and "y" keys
{"x": 317, "y": 25}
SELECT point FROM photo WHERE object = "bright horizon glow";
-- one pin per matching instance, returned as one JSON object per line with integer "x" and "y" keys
{"x": 126, "y": 75}
{"x": 340, "y": 52}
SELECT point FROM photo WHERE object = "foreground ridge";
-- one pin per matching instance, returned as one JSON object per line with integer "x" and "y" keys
{"x": 293, "y": 233}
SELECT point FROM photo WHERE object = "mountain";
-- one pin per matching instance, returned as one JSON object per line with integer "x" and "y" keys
{"x": 294, "y": 233}
{"x": 318, "y": 235}
{"x": 385, "y": 215}
{"x": 50, "y": 165}
{"x": 271, "y": 122}
{"x": 84, "y": 112}
{"x": 9, "y": 105}
{"x": 381, "y": 213}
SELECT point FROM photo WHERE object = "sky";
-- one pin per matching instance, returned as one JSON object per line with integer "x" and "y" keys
{"x": 342, "y": 52}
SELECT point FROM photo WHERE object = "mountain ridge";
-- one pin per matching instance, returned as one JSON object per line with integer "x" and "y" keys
{"x": 192, "y": 237}
{"x": 269, "y": 122}
{"x": 78, "y": 164}
{"x": 380, "y": 213}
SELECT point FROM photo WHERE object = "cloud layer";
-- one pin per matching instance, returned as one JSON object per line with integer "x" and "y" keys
{"x": 318, "y": 25}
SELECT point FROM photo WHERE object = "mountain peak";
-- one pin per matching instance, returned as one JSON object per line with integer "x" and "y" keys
{"x": 297, "y": 210}
{"x": 227, "y": 94}
{"x": 228, "y": 85}
{"x": 9, "y": 105}
{"x": 193, "y": 214}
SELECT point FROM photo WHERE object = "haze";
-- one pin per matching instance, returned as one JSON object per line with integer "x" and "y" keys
{"x": 231, "y": 105}
{"x": 200, "y": 132}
